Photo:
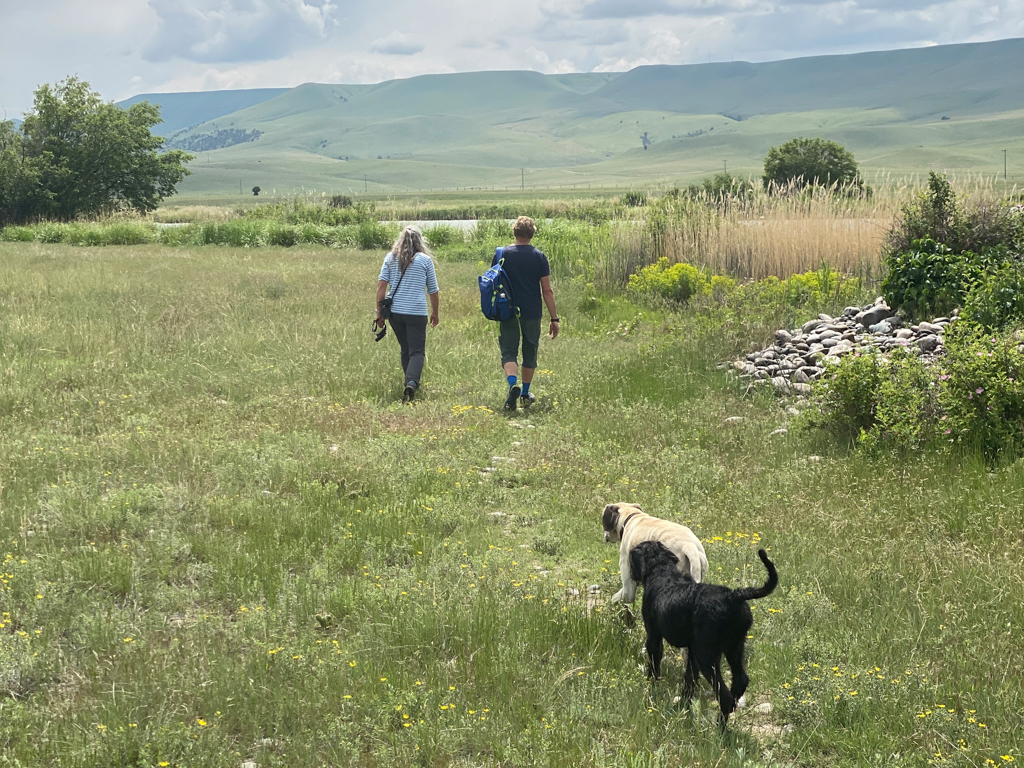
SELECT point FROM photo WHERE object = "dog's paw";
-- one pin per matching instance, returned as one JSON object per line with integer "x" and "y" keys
{"x": 617, "y": 597}
{"x": 742, "y": 702}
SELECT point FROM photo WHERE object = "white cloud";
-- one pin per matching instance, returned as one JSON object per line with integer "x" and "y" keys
{"x": 123, "y": 47}
{"x": 235, "y": 30}
{"x": 398, "y": 44}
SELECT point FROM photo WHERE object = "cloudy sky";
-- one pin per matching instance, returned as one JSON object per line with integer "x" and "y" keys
{"x": 124, "y": 47}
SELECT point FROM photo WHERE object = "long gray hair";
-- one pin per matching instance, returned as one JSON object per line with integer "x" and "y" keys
{"x": 408, "y": 244}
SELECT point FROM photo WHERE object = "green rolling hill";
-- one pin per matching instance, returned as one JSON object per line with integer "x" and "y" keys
{"x": 951, "y": 107}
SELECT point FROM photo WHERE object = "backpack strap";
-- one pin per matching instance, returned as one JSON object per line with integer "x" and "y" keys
{"x": 401, "y": 275}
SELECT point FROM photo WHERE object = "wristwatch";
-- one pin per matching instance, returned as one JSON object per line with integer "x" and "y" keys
{"x": 554, "y": 319}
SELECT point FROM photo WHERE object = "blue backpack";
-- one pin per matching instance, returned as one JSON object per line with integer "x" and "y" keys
{"x": 496, "y": 299}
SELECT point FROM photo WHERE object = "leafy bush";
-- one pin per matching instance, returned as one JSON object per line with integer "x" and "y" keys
{"x": 284, "y": 235}
{"x": 721, "y": 188}
{"x": 846, "y": 399}
{"x": 806, "y": 162}
{"x": 17, "y": 235}
{"x": 878, "y": 401}
{"x": 634, "y": 199}
{"x": 372, "y": 235}
{"x": 128, "y": 233}
{"x": 443, "y": 234}
{"x": 930, "y": 277}
{"x": 676, "y": 283}
{"x": 997, "y": 298}
{"x": 983, "y": 390}
{"x": 937, "y": 214}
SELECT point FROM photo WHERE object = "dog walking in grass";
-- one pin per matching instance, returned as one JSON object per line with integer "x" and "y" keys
{"x": 629, "y": 525}
{"x": 707, "y": 619}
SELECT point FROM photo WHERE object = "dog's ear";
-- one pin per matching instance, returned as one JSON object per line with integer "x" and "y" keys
{"x": 610, "y": 517}
{"x": 637, "y": 562}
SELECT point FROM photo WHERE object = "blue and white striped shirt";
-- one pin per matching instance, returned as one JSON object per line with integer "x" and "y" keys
{"x": 409, "y": 299}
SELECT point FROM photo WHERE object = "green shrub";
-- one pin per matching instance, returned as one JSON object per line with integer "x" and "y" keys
{"x": 878, "y": 401}
{"x": 441, "y": 235}
{"x": 677, "y": 283}
{"x": 374, "y": 236}
{"x": 997, "y": 298}
{"x": 128, "y": 233}
{"x": 50, "y": 233}
{"x": 931, "y": 278}
{"x": 17, "y": 235}
{"x": 283, "y": 235}
{"x": 937, "y": 214}
{"x": 721, "y": 287}
{"x": 634, "y": 199}
{"x": 845, "y": 399}
{"x": 982, "y": 392}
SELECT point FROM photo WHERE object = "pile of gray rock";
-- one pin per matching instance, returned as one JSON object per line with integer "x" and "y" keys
{"x": 800, "y": 356}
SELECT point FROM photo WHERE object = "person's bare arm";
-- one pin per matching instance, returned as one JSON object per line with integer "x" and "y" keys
{"x": 549, "y": 301}
{"x": 433, "y": 308}
{"x": 382, "y": 290}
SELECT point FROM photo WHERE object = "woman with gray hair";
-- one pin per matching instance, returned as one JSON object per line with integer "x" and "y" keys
{"x": 409, "y": 271}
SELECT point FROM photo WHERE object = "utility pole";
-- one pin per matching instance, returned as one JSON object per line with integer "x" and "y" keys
{"x": 725, "y": 165}
{"x": 522, "y": 178}
{"x": 365, "y": 188}
{"x": 1004, "y": 165}
{"x": 239, "y": 186}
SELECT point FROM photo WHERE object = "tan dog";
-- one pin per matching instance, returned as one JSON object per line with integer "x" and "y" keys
{"x": 630, "y": 525}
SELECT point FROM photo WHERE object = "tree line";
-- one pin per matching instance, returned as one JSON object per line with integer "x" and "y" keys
{"x": 76, "y": 155}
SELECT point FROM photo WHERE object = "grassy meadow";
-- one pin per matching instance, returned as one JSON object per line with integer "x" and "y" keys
{"x": 223, "y": 542}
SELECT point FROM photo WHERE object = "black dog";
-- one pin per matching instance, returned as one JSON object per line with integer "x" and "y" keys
{"x": 706, "y": 619}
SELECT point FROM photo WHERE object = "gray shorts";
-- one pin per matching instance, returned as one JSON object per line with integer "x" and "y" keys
{"x": 526, "y": 330}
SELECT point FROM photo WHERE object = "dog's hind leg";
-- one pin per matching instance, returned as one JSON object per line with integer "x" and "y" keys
{"x": 740, "y": 680}
{"x": 710, "y": 666}
{"x": 690, "y": 678}
{"x": 655, "y": 650}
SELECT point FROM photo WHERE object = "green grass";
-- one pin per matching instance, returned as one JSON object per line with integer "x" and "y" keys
{"x": 224, "y": 540}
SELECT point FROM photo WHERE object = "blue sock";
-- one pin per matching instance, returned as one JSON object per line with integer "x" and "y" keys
{"x": 511, "y": 381}
{"x": 526, "y": 388}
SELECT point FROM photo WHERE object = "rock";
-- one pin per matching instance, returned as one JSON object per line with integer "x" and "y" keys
{"x": 809, "y": 326}
{"x": 829, "y": 334}
{"x": 762, "y": 362}
{"x": 904, "y": 333}
{"x": 940, "y": 320}
{"x": 930, "y": 327}
{"x": 825, "y": 318}
{"x": 792, "y": 411}
{"x": 739, "y": 365}
{"x": 840, "y": 349}
{"x": 851, "y": 312}
{"x": 783, "y": 336}
{"x": 780, "y": 431}
{"x": 874, "y": 315}
{"x": 928, "y": 343}
{"x": 881, "y": 329}
{"x": 802, "y": 389}
{"x": 799, "y": 377}
{"x": 733, "y": 420}
{"x": 764, "y": 708}
{"x": 781, "y": 384}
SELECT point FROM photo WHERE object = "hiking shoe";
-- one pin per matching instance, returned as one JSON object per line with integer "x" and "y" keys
{"x": 410, "y": 393}
{"x": 513, "y": 398}
{"x": 527, "y": 400}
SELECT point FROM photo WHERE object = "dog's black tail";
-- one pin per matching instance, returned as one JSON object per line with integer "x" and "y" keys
{"x": 753, "y": 593}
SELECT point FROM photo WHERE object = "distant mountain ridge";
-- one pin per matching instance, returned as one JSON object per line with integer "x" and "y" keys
{"x": 182, "y": 110}
{"x": 905, "y": 108}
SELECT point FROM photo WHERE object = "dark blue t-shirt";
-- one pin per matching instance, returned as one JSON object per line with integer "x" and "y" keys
{"x": 525, "y": 266}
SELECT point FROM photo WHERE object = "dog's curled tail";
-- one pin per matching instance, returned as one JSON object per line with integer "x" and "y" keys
{"x": 753, "y": 593}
